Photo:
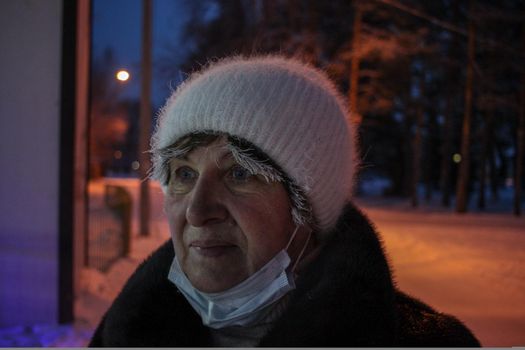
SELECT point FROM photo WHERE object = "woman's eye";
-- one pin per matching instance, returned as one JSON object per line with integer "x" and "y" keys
{"x": 185, "y": 174}
{"x": 240, "y": 174}
{"x": 182, "y": 180}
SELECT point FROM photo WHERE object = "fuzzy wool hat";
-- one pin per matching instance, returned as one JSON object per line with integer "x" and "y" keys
{"x": 289, "y": 110}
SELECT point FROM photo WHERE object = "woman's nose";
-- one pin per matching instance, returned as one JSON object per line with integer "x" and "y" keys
{"x": 205, "y": 207}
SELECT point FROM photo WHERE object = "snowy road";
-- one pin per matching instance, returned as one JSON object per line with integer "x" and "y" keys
{"x": 472, "y": 265}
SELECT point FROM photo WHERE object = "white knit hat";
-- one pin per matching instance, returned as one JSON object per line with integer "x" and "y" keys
{"x": 291, "y": 111}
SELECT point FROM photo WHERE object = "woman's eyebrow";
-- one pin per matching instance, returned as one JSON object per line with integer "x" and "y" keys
{"x": 225, "y": 160}
{"x": 182, "y": 156}
{"x": 180, "y": 159}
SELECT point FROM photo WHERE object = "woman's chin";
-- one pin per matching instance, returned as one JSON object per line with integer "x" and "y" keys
{"x": 215, "y": 278}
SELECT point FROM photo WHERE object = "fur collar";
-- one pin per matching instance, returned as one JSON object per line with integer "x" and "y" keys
{"x": 346, "y": 297}
{"x": 350, "y": 279}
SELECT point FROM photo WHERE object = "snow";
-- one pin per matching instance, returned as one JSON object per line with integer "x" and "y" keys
{"x": 45, "y": 336}
{"x": 99, "y": 289}
{"x": 471, "y": 266}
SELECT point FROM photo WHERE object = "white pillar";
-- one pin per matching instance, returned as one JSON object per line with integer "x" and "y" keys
{"x": 30, "y": 69}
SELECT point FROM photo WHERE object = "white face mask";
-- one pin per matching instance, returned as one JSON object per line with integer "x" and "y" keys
{"x": 245, "y": 303}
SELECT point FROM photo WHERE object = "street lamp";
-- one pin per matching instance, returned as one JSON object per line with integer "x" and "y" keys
{"x": 122, "y": 75}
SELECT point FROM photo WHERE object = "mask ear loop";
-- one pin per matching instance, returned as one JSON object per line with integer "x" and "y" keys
{"x": 302, "y": 250}
{"x": 291, "y": 238}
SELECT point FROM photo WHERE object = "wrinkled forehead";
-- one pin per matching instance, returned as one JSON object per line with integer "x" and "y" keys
{"x": 218, "y": 151}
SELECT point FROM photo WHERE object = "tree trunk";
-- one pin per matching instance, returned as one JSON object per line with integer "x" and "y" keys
{"x": 518, "y": 172}
{"x": 293, "y": 20}
{"x": 483, "y": 161}
{"x": 493, "y": 169}
{"x": 518, "y": 177}
{"x": 145, "y": 118}
{"x": 407, "y": 142}
{"x": 416, "y": 146}
{"x": 268, "y": 8}
{"x": 449, "y": 127}
{"x": 431, "y": 145}
{"x": 464, "y": 173}
{"x": 446, "y": 154}
{"x": 354, "y": 68}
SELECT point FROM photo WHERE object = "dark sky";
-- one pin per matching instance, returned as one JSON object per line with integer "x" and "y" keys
{"x": 117, "y": 25}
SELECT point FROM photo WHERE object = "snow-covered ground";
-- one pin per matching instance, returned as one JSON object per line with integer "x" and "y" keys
{"x": 472, "y": 266}
{"x": 99, "y": 289}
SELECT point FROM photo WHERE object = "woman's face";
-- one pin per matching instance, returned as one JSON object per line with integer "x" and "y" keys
{"x": 225, "y": 223}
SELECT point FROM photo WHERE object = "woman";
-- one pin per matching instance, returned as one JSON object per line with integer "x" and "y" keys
{"x": 256, "y": 159}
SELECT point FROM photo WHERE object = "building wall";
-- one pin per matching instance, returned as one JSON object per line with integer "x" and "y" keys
{"x": 30, "y": 42}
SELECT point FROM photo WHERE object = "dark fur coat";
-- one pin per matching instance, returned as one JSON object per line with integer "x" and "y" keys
{"x": 344, "y": 298}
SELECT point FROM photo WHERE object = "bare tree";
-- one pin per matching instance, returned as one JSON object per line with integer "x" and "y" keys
{"x": 520, "y": 134}
{"x": 417, "y": 142}
{"x": 464, "y": 173}
{"x": 446, "y": 151}
{"x": 145, "y": 117}
{"x": 354, "y": 70}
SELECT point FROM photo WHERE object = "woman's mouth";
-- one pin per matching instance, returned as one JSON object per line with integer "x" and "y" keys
{"x": 211, "y": 248}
